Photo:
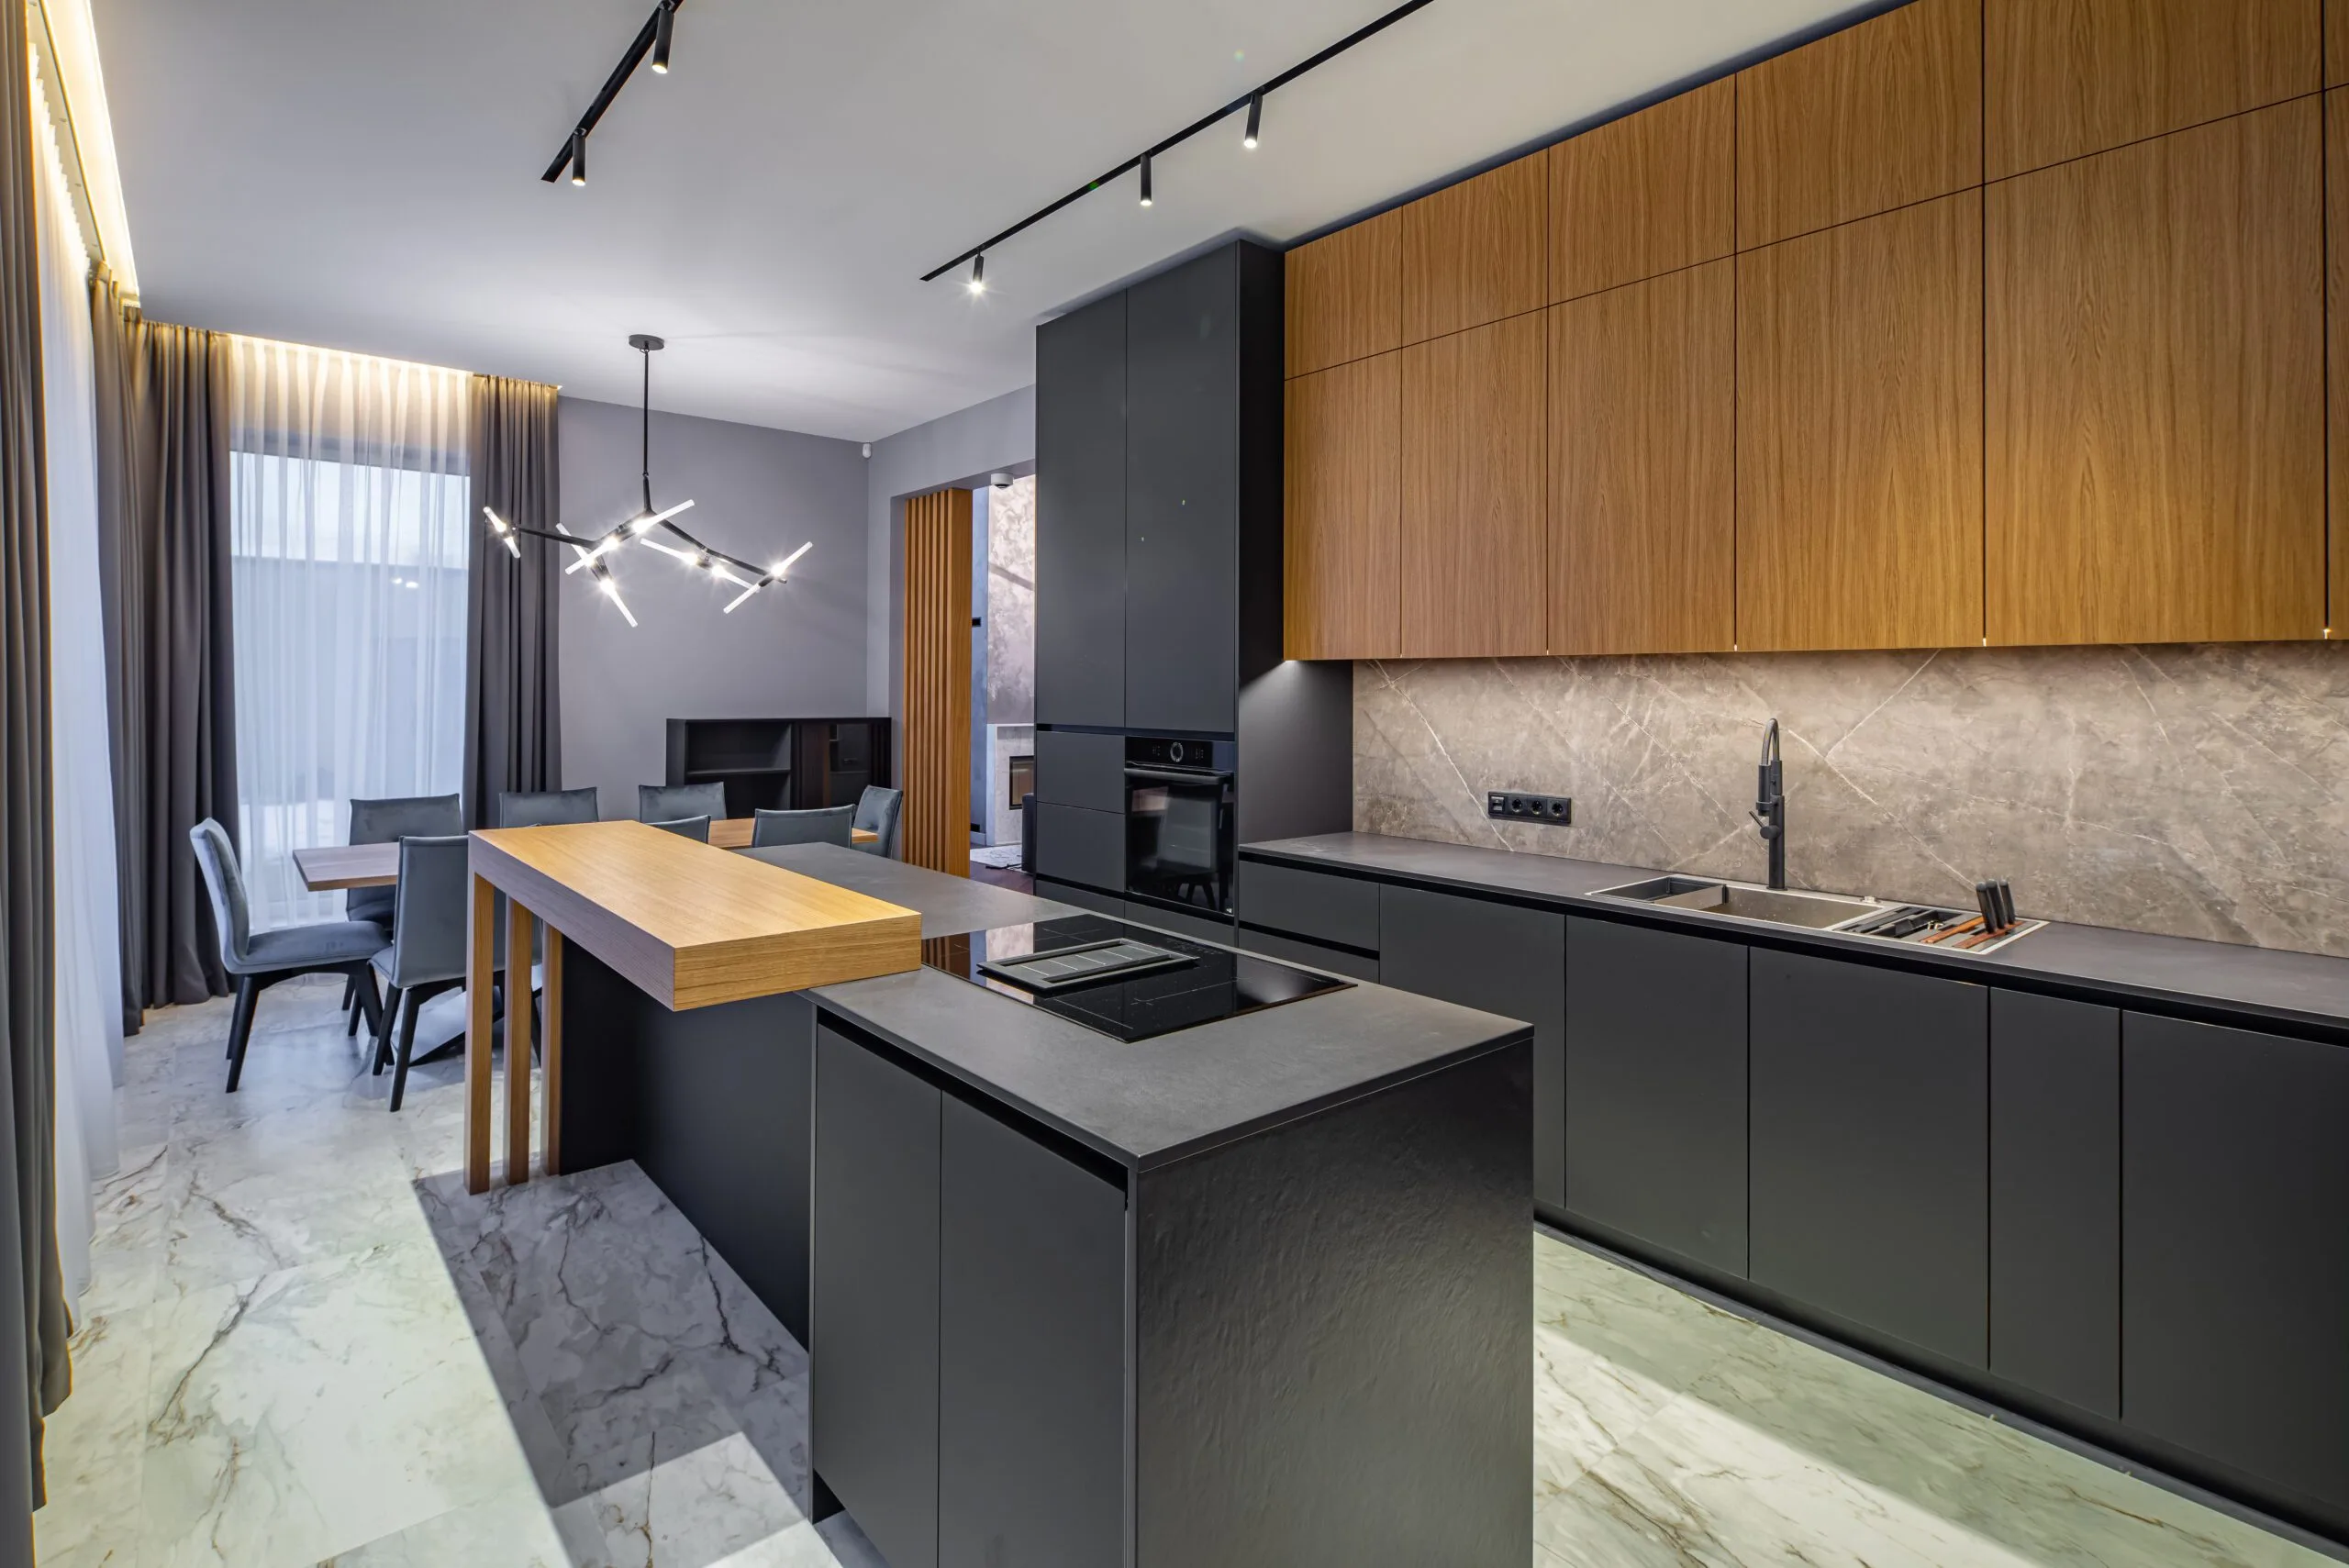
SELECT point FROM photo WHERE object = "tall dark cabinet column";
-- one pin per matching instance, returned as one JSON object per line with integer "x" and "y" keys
{"x": 1081, "y": 516}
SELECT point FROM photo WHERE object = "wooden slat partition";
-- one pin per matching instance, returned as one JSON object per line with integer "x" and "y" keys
{"x": 937, "y": 821}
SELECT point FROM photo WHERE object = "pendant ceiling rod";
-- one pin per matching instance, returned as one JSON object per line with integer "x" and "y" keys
{"x": 1250, "y": 103}
{"x": 644, "y": 343}
{"x": 645, "y": 37}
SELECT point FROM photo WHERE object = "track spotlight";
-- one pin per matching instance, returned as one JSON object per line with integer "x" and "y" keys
{"x": 978, "y": 281}
{"x": 578, "y": 157}
{"x": 663, "y": 23}
{"x": 1145, "y": 179}
{"x": 1255, "y": 119}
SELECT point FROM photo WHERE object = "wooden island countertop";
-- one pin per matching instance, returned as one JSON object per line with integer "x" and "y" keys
{"x": 689, "y": 925}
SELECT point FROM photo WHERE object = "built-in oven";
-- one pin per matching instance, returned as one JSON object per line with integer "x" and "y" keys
{"x": 1179, "y": 822}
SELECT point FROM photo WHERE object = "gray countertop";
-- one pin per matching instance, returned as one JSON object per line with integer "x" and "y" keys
{"x": 1152, "y": 1101}
{"x": 2254, "y": 985}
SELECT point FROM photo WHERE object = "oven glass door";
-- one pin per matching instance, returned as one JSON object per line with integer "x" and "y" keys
{"x": 1179, "y": 834}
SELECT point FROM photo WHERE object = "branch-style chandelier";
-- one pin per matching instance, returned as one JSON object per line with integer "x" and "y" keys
{"x": 589, "y": 554}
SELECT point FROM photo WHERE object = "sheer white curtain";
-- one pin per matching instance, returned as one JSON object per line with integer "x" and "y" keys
{"x": 89, "y": 957}
{"x": 349, "y": 494}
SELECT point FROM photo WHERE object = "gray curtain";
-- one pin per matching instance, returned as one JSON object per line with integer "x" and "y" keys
{"x": 162, "y": 430}
{"x": 513, "y": 702}
{"x": 34, "y": 1374}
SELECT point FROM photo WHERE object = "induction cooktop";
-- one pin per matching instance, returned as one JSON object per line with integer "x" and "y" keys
{"x": 1120, "y": 980}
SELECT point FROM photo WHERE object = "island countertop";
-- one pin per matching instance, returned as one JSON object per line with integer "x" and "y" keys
{"x": 1149, "y": 1102}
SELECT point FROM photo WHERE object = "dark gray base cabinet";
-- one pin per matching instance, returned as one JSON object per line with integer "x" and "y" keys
{"x": 1497, "y": 958}
{"x": 1656, "y": 1088}
{"x": 1870, "y": 1148}
{"x": 2235, "y": 1196}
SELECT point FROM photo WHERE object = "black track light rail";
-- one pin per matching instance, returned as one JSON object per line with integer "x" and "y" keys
{"x": 612, "y": 86}
{"x": 1237, "y": 104}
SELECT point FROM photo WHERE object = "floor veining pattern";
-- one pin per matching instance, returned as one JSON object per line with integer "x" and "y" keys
{"x": 306, "y": 1344}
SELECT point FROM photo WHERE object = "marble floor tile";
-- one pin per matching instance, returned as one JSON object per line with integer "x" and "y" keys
{"x": 511, "y": 1530}
{"x": 95, "y": 1447}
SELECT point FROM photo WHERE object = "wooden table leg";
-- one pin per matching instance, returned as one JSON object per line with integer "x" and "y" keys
{"x": 550, "y": 1057}
{"x": 481, "y": 975}
{"x": 518, "y": 1043}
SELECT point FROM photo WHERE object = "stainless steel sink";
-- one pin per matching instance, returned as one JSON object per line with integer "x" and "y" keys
{"x": 1817, "y": 911}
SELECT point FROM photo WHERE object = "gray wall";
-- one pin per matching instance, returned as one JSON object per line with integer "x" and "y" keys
{"x": 758, "y": 493}
{"x": 2197, "y": 791}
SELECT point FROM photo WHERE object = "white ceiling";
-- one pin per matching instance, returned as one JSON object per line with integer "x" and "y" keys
{"x": 364, "y": 173}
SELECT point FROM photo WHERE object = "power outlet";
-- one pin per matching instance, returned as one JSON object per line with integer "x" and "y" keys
{"x": 1509, "y": 805}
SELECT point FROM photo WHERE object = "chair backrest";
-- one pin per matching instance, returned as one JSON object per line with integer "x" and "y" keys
{"x": 828, "y": 826}
{"x": 428, "y": 932}
{"x": 879, "y": 809}
{"x": 386, "y": 820}
{"x": 685, "y": 828}
{"x": 671, "y": 803}
{"x": 545, "y": 807}
{"x": 223, "y": 880}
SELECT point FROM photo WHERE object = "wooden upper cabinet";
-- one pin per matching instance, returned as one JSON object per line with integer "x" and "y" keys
{"x": 1475, "y": 252}
{"x": 2336, "y": 345}
{"x": 1343, "y": 514}
{"x": 2336, "y": 43}
{"x": 2157, "y": 390}
{"x": 2067, "y": 78}
{"x": 1472, "y": 529}
{"x": 1345, "y": 294}
{"x": 1859, "y": 434}
{"x": 1646, "y": 194}
{"x": 1860, "y": 121}
{"x": 1643, "y": 449}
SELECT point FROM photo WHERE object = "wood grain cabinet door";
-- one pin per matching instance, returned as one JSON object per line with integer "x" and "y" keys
{"x": 2065, "y": 78}
{"x": 1342, "y": 513}
{"x": 1642, "y": 489}
{"x": 1476, "y": 251}
{"x": 1859, "y": 434}
{"x": 1472, "y": 532}
{"x": 2157, "y": 390}
{"x": 2336, "y": 334}
{"x": 1344, "y": 296}
{"x": 1646, "y": 194}
{"x": 1860, "y": 121}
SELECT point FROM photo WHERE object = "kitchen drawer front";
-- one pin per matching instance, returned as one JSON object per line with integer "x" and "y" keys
{"x": 1077, "y": 769}
{"x": 1099, "y": 903}
{"x": 1080, "y": 846}
{"x": 1312, "y": 903}
{"x": 1295, "y": 949}
{"x": 1199, "y": 928}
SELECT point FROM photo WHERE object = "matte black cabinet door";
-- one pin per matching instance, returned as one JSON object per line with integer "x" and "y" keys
{"x": 1074, "y": 768}
{"x": 1497, "y": 958}
{"x": 1182, "y": 499}
{"x": 2056, "y": 1198}
{"x": 1656, "y": 1088}
{"x": 872, "y": 1346}
{"x": 2235, "y": 1259}
{"x": 1031, "y": 1392}
{"x": 1081, "y": 516}
{"x": 1076, "y": 845}
{"x": 1871, "y": 1187}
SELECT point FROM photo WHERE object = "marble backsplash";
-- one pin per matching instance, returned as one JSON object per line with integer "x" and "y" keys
{"x": 2200, "y": 791}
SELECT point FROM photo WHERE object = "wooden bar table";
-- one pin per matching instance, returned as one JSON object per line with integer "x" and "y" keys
{"x": 687, "y": 924}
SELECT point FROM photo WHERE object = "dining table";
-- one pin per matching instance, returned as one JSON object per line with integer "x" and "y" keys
{"x": 333, "y": 868}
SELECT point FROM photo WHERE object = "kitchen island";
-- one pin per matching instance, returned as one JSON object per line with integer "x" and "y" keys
{"x": 1252, "y": 1291}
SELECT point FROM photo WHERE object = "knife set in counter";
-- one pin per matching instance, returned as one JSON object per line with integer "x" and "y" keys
{"x": 1924, "y": 926}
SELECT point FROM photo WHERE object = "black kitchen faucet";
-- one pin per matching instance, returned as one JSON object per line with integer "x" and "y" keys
{"x": 1770, "y": 804}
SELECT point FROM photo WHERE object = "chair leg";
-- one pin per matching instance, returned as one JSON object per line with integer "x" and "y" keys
{"x": 407, "y": 1047}
{"x": 382, "y": 1051}
{"x": 371, "y": 1000}
{"x": 241, "y": 1028}
{"x": 350, "y": 1004}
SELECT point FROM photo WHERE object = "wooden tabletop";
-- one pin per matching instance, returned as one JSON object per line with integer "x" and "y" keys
{"x": 328, "y": 868}
{"x": 688, "y": 923}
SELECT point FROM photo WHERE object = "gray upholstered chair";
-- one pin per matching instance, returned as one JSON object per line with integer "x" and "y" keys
{"x": 545, "y": 807}
{"x": 685, "y": 828}
{"x": 427, "y": 952}
{"x": 386, "y": 821}
{"x": 673, "y": 803}
{"x": 878, "y": 809}
{"x": 828, "y": 826}
{"x": 261, "y": 959}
